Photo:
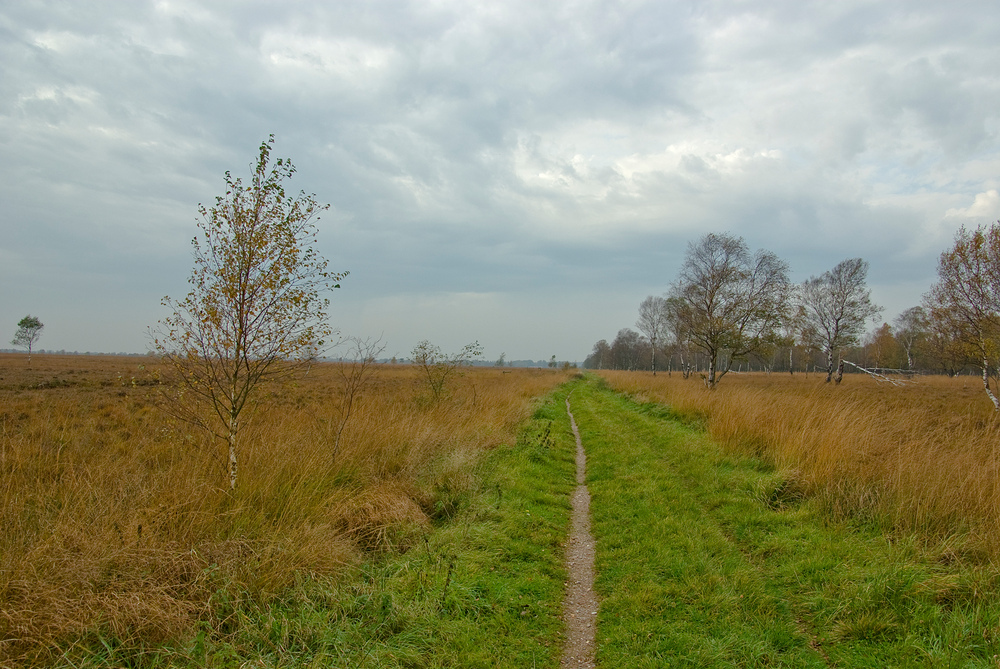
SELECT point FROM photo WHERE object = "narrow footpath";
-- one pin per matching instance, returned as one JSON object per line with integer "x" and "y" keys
{"x": 580, "y": 607}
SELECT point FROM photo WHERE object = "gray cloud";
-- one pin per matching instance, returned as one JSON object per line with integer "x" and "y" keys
{"x": 530, "y": 170}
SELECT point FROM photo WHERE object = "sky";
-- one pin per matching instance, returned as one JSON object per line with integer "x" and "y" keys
{"x": 520, "y": 174}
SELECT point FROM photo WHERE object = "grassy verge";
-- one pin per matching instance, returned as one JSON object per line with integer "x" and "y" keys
{"x": 707, "y": 559}
{"x": 922, "y": 457}
{"x": 482, "y": 587}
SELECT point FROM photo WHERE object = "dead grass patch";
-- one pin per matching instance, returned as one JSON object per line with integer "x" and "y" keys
{"x": 117, "y": 524}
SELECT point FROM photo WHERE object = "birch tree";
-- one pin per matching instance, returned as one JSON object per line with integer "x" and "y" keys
{"x": 729, "y": 301}
{"x": 438, "y": 366}
{"x": 965, "y": 300}
{"x": 837, "y": 307}
{"x": 680, "y": 336}
{"x": 652, "y": 323}
{"x": 256, "y": 309}
{"x": 29, "y": 329}
{"x": 600, "y": 356}
{"x": 911, "y": 329}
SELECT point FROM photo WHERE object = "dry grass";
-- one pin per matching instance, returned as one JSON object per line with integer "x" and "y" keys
{"x": 922, "y": 457}
{"x": 117, "y": 523}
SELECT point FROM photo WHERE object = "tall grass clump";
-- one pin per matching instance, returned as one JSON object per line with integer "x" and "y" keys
{"x": 921, "y": 457}
{"x": 117, "y": 527}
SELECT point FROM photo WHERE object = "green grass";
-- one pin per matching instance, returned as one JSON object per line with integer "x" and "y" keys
{"x": 703, "y": 560}
{"x": 482, "y": 588}
{"x": 710, "y": 560}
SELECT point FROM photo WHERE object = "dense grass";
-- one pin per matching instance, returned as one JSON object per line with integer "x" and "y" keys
{"x": 435, "y": 537}
{"x": 707, "y": 558}
{"x": 920, "y": 458}
{"x": 482, "y": 588}
{"x": 119, "y": 535}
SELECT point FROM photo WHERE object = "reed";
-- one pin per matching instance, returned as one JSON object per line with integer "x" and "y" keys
{"x": 117, "y": 524}
{"x": 921, "y": 457}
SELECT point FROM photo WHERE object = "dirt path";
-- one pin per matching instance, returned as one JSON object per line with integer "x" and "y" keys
{"x": 580, "y": 607}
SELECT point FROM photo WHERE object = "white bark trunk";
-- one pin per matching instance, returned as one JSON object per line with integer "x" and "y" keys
{"x": 986, "y": 384}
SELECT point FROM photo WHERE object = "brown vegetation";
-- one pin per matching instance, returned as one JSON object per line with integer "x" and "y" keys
{"x": 922, "y": 457}
{"x": 118, "y": 521}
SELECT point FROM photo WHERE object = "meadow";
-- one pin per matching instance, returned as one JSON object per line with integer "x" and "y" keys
{"x": 919, "y": 458}
{"x": 118, "y": 526}
{"x": 707, "y": 558}
{"x": 429, "y": 532}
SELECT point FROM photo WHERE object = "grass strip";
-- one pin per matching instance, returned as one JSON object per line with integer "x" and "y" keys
{"x": 711, "y": 560}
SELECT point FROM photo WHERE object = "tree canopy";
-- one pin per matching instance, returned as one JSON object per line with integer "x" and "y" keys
{"x": 837, "y": 306}
{"x": 29, "y": 329}
{"x": 729, "y": 302}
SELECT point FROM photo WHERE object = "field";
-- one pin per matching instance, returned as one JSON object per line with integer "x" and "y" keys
{"x": 119, "y": 530}
{"x": 923, "y": 457}
{"x": 709, "y": 557}
{"x": 775, "y": 521}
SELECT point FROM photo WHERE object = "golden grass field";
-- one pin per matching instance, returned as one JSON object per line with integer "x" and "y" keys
{"x": 921, "y": 457}
{"x": 117, "y": 520}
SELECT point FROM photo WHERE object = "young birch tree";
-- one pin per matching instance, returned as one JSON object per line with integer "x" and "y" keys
{"x": 438, "y": 366}
{"x": 730, "y": 302}
{"x": 837, "y": 307}
{"x": 256, "y": 309}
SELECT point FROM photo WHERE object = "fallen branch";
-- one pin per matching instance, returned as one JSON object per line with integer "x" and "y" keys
{"x": 875, "y": 375}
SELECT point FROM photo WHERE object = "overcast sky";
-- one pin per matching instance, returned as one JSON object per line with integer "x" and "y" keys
{"x": 518, "y": 173}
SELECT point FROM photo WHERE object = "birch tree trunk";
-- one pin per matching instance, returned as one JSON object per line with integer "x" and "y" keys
{"x": 986, "y": 383}
{"x": 233, "y": 427}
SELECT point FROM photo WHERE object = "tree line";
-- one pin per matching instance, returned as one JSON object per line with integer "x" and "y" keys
{"x": 731, "y": 309}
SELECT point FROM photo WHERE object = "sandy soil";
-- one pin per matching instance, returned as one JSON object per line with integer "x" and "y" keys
{"x": 580, "y": 606}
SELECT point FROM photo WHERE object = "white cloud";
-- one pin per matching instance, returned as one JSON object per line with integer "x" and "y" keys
{"x": 985, "y": 208}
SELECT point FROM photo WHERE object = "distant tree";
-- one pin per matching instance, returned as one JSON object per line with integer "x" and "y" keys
{"x": 729, "y": 301}
{"x": 653, "y": 322}
{"x": 837, "y": 306}
{"x": 552, "y": 362}
{"x": 791, "y": 329}
{"x": 911, "y": 328}
{"x": 677, "y": 330}
{"x": 945, "y": 343}
{"x": 600, "y": 356}
{"x": 439, "y": 367}
{"x": 883, "y": 346}
{"x": 29, "y": 329}
{"x": 501, "y": 361}
{"x": 965, "y": 300}
{"x": 255, "y": 310}
{"x": 626, "y": 350}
